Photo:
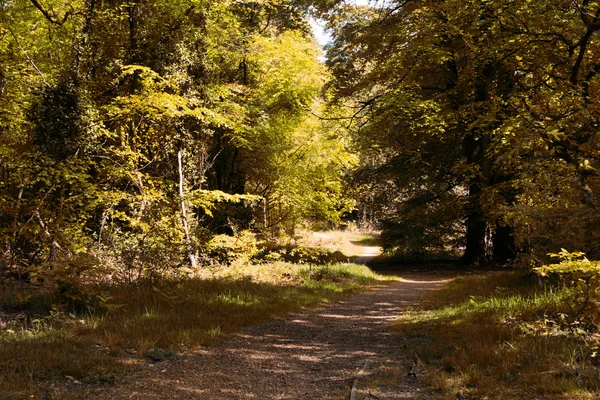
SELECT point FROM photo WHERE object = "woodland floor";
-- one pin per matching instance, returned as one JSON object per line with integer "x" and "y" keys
{"x": 315, "y": 354}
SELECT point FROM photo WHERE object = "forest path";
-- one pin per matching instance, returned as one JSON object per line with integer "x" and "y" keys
{"x": 315, "y": 354}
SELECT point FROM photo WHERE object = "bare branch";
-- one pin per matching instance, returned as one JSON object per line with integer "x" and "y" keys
{"x": 52, "y": 16}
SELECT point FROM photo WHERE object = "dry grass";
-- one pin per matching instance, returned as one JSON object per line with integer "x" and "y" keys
{"x": 49, "y": 351}
{"x": 501, "y": 337}
{"x": 351, "y": 243}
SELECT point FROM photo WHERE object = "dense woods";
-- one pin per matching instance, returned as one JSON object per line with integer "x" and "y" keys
{"x": 134, "y": 132}
{"x": 137, "y": 131}
{"x": 181, "y": 155}
{"x": 477, "y": 122}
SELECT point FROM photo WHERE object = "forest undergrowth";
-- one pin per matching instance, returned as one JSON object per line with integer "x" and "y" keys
{"x": 51, "y": 344}
{"x": 508, "y": 335}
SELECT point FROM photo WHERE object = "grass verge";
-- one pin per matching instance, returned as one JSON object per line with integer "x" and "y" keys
{"x": 500, "y": 336}
{"x": 45, "y": 349}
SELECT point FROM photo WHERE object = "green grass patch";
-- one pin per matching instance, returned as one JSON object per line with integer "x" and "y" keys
{"x": 501, "y": 336}
{"x": 43, "y": 352}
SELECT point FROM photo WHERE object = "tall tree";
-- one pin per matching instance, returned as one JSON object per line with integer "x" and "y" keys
{"x": 483, "y": 106}
{"x": 125, "y": 123}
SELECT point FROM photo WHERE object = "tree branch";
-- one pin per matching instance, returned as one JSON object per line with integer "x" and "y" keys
{"x": 52, "y": 16}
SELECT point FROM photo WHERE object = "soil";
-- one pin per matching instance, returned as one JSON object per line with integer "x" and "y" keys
{"x": 315, "y": 354}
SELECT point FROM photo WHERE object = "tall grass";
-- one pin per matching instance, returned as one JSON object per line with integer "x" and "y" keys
{"x": 50, "y": 350}
{"x": 501, "y": 337}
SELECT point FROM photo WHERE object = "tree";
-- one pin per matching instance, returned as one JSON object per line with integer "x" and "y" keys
{"x": 126, "y": 124}
{"x": 288, "y": 155}
{"x": 483, "y": 107}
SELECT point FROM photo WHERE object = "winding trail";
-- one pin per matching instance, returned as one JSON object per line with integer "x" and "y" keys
{"x": 310, "y": 355}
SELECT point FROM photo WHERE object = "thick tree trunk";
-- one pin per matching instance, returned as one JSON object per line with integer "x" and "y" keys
{"x": 503, "y": 238}
{"x": 477, "y": 248}
{"x": 476, "y": 147}
{"x": 504, "y": 244}
{"x": 476, "y": 251}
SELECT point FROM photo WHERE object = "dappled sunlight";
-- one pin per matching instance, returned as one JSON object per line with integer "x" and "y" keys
{"x": 296, "y": 347}
{"x": 298, "y": 321}
{"x": 356, "y": 246}
{"x": 502, "y": 336}
{"x": 336, "y": 316}
{"x": 321, "y": 348}
{"x": 158, "y": 320}
{"x": 426, "y": 281}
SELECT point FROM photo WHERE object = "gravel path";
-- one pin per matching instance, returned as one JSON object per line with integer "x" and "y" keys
{"x": 310, "y": 355}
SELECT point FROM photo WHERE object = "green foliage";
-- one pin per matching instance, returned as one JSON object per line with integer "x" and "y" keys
{"x": 288, "y": 72}
{"x": 226, "y": 249}
{"x": 292, "y": 158}
{"x": 133, "y": 132}
{"x": 477, "y": 115}
{"x": 58, "y": 120}
{"x": 208, "y": 200}
{"x": 571, "y": 263}
{"x": 299, "y": 254}
{"x": 578, "y": 272}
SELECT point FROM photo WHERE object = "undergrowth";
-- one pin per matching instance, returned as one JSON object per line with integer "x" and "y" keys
{"x": 47, "y": 347}
{"x": 504, "y": 336}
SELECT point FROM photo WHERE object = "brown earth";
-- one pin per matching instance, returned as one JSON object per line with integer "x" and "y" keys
{"x": 315, "y": 354}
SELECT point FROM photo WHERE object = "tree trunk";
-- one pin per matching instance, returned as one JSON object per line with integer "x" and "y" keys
{"x": 477, "y": 243}
{"x": 504, "y": 244}
{"x": 80, "y": 48}
{"x": 476, "y": 250}
{"x": 133, "y": 11}
{"x": 476, "y": 147}
{"x": 184, "y": 220}
{"x": 15, "y": 231}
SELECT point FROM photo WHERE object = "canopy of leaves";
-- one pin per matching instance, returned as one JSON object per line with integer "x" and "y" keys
{"x": 480, "y": 114}
{"x": 130, "y": 128}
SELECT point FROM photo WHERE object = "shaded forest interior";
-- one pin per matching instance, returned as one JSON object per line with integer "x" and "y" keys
{"x": 150, "y": 142}
{"x": 137, "y": 133}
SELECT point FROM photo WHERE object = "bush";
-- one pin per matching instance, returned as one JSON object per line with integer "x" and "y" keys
{"x": 300, "y": 255}
{"x": 225, "y": 249}
{"x": 577, "y": 271}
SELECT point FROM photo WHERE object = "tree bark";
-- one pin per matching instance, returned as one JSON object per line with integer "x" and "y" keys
{"x": 476, "y": 147}
{"x": 184, "y": 221}
{"x": 80, "y": 48}
{"x": 504, "y": 244}
{"x": 51, "y": 16}
{"x": 477, "y": 244}
{"x": 15, "y": 230}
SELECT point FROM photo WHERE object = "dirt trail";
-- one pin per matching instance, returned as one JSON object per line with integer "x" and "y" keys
{"x": 368, "y": 253}
{"x": 309, "y": 355}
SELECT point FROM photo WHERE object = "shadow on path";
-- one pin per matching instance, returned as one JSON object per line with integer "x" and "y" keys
{"x": 310, "y": 355}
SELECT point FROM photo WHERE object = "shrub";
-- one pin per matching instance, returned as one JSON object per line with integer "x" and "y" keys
{"x": 577, "y": 271}
{"x": 225, "y": 249}
{"x": 300, "y": 255}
